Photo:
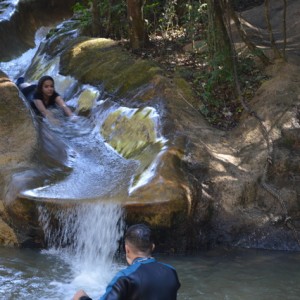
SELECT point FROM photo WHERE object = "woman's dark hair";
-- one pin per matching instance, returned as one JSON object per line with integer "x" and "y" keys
{"x": 39, "y": 87}
{"x": 140, "y": 237}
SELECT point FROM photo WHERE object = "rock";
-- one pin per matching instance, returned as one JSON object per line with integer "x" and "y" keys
{"x": 18, "y": 140}
{"x": 30, "y": 15}
{"x": 7, "y": 235}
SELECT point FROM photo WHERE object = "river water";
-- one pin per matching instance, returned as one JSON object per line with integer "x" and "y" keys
{"x": 213, "y": 275}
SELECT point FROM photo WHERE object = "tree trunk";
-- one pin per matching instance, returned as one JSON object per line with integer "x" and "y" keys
{"x": 277, "y": 53}
{"x": 180, "y": 8}
{"x": 96, "y": 28}
{"x": 137, "y": 32}
{"x": 284, "y": 28}
{"x": 219, "y": 44}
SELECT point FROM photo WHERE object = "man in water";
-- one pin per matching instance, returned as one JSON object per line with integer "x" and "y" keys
{"x": 144, "y": 278}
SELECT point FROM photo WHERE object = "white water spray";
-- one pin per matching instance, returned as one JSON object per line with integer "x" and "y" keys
{"x": 86, "y": 237}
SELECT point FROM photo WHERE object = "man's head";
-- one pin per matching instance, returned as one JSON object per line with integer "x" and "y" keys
{"x": 138, "y": 242}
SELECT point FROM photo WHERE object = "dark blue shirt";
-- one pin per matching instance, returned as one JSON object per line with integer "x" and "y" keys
{"x": 145, "y": 279}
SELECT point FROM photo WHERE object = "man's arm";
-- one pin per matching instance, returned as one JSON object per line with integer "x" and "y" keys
{"x": 81, "y": 295}
{"x": 118, "y": 289}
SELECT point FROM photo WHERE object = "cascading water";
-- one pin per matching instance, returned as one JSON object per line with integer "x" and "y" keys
{"x": 84, "y": 234}
{"x": 80, "y": 202}
{"x": 86, "y": 237}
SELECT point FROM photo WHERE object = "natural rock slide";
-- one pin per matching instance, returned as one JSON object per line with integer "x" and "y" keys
{"x": 204, "y": 188}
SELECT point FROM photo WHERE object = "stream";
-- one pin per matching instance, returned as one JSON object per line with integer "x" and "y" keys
{"x": 81, "y": 253}
{"x": 213, "y": 275}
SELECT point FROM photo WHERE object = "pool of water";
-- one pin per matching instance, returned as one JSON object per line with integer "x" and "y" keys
{"x": 239, "y": 275}
{"x": 213, "y": 275}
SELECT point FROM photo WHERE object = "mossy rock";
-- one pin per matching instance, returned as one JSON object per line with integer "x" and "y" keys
{"x": 102, "y": 61}
{"x": 129, "y": 131}
{"x": 86, "y": 100}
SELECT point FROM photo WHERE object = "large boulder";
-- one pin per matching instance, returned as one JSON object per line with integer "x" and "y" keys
{"x": 18, "y": 141}
{"x": 18, "y": 32}
{"x": 253, "y": 188}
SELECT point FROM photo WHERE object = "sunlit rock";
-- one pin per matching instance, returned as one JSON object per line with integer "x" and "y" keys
{"x": 101, "y": 61}
{"x": 86, "y": 100}
{"x": 130, "y": 131}
{"x": 23, "y": 214}
{"x": 18, "y": 134}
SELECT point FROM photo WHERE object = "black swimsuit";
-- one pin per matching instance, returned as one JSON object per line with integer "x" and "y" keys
{"x": 39, "y": 96}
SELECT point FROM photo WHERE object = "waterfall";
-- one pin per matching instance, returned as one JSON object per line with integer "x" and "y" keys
{"x": 86, "y": 236}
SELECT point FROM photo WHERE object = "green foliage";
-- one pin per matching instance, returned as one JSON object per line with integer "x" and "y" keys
{"x": 219, "y": 72}
{"x": 83, "y": 14}
{"x": 218, "y": 75}
{"x": 113, "y": 18}
{"x": 152, "y": 12}
{"x": 215, "y": 91}
{"x": 168, "y": 18}
{"x": 194, "y": 19}
{"x": 250, "y": 77}
{"x": 159, "y": 16}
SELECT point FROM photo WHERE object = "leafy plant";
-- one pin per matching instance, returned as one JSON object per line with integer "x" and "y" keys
{"x": 168, "y": 19}
{"x": 195, "y": 17}
{"x": 83, "y": 14}
{"x": 112, "y": 17}
{"x": 152, "y": 12}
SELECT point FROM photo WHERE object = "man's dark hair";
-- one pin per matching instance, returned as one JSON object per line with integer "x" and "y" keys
{"x": 140, "y": 237}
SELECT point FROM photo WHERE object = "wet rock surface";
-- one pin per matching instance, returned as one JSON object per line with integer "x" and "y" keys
{"x": 18, "y": 139}
{"x": 18, "y": 32}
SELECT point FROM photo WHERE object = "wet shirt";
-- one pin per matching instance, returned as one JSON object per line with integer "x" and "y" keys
{"x": 145, "y": 279}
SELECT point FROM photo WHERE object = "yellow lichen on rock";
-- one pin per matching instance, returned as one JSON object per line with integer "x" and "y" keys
{"x": 129, "y": 131}
{"x": 86, "y": 100}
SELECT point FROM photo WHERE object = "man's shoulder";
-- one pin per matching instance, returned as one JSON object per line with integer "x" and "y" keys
{"x": 140, "y": 265}
{"x": 166, "y": 265}
{"x": 129, "y": 270}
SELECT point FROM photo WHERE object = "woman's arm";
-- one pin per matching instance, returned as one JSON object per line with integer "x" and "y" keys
{"x": 42, "y": 109}
{"x": 61, "y": 103}
{"x": 45, "y": 112}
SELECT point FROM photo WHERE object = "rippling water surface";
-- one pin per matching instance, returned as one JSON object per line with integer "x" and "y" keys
{"x": 214, "y": 275}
